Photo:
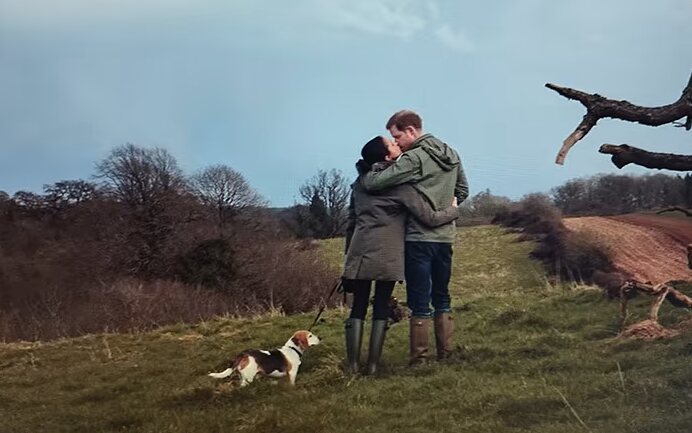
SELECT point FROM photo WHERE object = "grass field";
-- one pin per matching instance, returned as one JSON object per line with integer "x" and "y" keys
{"x": 535, "y": 356}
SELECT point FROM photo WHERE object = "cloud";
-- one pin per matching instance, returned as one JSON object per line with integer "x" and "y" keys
{"x": 400, "y": 19}
{"x": 454, "y": 39}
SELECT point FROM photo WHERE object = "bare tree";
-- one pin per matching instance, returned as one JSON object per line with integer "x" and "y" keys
{"x": 66, "y": 193}
{"x": 325, "y": 197}
{"x": 28, "y": 201}
{"x": 598, "y": 107}
{"x": 151, "y": 186}
{"x": 140, "y": 177}
{"x": 226, "y": 191}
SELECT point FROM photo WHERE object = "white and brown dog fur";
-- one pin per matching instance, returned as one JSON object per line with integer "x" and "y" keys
{"x": 281, "y": 362}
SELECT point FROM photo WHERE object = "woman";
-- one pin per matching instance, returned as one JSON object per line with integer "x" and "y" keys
{"x": 375, "y": 247}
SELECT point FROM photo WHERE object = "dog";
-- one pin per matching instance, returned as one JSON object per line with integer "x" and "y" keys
{"x": 277, "y": 363}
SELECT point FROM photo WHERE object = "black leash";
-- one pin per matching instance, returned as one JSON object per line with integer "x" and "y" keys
{"x": 339, "y": 285}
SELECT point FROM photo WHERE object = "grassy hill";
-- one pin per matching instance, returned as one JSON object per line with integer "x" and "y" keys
{"x": 536, "y": 356}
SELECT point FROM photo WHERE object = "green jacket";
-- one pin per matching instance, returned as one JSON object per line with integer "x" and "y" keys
{"x": 376, "y": 228}
{"x": 435, "y": 170}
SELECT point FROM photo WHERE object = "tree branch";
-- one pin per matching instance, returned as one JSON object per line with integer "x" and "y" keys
{"x": 673, "y": 296}
{"x": 624, "y": 154}
{"x": 598, "y": 107}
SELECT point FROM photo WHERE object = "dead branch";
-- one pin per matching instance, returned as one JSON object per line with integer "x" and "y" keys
{"x": 662, "y": 292}
{"x": 625, "y": 154}
{"x": 598, "y": 107}
{"x": 650, "y": 328}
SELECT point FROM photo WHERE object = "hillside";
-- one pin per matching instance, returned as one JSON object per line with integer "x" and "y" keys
{"x": 648, "y": 247}
{"x": 535, "y": 357}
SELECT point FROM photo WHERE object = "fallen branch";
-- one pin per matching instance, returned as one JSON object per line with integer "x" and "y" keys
{"x": 650, "y": 328}
{"x": 598, "y": 107}
{"x": 673, "y": 296}
{"x": 624, "y": 154}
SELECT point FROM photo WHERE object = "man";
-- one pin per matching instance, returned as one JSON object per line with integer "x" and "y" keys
{"x": 435, "y": 170}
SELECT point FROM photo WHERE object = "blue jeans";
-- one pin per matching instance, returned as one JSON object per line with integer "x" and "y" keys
{"x": 428, "y": 270}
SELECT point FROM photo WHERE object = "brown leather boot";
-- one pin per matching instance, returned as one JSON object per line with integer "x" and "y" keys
{"x": 419, "y": 334}
{"x": 444, "y": 329}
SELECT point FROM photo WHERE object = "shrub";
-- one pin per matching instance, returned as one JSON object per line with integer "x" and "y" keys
{"x": 209, "y": 264}
{"x": 569, "y": 255}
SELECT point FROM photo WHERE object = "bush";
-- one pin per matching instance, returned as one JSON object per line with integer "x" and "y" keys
{"x": 568, "y": 255}
{"x": 209, "y": 264}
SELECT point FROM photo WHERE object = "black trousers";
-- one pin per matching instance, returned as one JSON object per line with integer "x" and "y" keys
{"x": 361, "y": 296}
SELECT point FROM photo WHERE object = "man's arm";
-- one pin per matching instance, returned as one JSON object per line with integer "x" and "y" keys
{"x": 461, "y": 189}
{"x": 406, "y": 169}
{"x": 423, "y": 211}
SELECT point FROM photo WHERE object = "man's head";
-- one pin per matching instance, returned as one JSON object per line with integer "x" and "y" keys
{"x": 405, "y": 127}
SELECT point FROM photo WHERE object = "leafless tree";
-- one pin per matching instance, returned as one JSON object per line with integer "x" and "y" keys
{"x": 28, "y": 201}
{"x": 226, "y": 191}
{"x": 67, "y": 193}
{"x": 325, "y": 196}
{"x": 140, "y": 177}
{"x": 151, "y": 186}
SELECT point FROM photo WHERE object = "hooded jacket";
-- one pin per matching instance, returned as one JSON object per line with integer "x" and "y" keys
{"x": 434, "y": 169}
{"x": 376, "y": 228}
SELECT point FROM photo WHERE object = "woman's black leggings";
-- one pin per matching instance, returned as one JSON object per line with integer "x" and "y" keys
{"x": 361, "y": 296}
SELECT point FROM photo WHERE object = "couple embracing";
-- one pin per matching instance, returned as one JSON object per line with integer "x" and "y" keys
{"x": 401, "y": 227}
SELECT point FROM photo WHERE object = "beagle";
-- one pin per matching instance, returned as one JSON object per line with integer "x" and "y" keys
{"x": 281, "y": 362}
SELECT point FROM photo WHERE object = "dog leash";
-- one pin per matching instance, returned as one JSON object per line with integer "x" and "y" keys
{"x": 339, "y": 285}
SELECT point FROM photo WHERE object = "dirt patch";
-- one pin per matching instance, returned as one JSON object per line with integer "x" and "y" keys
{"x": 679, "y": 229}
{"x": 647, "y": 249}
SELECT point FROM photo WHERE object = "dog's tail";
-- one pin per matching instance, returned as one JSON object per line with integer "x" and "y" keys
{"x": 227, "y": 372}
{"x": 230, "y": 370}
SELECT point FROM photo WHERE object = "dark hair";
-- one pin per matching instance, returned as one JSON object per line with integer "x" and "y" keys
{"x": 374, "y": 150}
{"x": 402, "y": 119}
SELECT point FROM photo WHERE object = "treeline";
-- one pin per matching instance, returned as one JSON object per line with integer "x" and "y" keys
{"x": 603, "y": 194}
{"x": 142, "y": 244}
{"x": 610, "y": 194}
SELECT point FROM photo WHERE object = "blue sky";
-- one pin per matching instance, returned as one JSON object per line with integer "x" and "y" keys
{"x": 278, "y": 90}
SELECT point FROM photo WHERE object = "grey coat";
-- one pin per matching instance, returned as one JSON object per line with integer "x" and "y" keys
{"x": 377, "y": 227}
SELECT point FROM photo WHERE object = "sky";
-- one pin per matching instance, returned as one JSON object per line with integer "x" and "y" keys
{"x": 278, "y": 90}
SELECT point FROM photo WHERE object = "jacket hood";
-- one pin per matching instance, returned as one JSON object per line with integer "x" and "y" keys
{"x": 439, "y": 152}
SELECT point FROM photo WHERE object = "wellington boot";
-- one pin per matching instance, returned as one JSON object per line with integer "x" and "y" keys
{"x": 353, "y": 328}
{"x": 419, "y": 334}
{"x": 444, "y": 330}
{"x": 377, "y": 334}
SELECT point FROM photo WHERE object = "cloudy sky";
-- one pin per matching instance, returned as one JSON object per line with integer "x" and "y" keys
{"x": 280, "y": 89}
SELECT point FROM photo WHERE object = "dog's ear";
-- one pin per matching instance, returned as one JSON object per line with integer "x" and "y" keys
{"x": 300, "y": 339}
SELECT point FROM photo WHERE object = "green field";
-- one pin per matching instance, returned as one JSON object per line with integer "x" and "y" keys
{"x": 534, "y": 356}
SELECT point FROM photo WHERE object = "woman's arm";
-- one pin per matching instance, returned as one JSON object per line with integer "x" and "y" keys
{"x": 422, "y": 210}
{"x": 351, "y": 223}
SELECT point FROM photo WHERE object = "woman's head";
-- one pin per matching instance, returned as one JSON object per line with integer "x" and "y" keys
{"x": 380, "y": 149}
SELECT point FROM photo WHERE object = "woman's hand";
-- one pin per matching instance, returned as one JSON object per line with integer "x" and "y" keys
{"x": 454, "y": 202}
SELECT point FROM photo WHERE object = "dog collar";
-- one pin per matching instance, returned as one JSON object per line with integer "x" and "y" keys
{"x": 300, "y": 355}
